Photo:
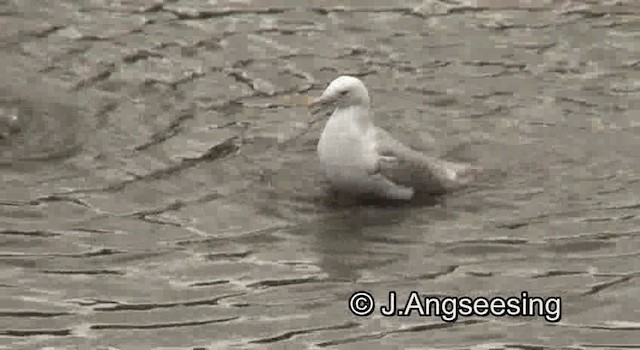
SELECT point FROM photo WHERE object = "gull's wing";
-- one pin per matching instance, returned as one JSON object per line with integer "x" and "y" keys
{"x": 407, "y": 167}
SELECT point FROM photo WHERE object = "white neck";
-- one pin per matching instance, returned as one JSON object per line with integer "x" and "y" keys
{"x": 355, "y": 113}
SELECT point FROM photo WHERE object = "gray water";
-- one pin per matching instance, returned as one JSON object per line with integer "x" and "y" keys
{"x": 161, "y": 190}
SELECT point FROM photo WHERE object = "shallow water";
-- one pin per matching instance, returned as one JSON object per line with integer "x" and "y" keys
{"x": 162, "y": 189}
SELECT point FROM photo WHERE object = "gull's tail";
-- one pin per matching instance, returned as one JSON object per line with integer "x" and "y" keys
{"x": 453, "y": 175}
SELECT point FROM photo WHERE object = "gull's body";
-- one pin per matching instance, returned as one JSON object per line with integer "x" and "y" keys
{"x": 360, "y": 158}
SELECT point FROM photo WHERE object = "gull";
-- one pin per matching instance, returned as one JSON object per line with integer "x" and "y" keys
{"x": 362, "y": 159}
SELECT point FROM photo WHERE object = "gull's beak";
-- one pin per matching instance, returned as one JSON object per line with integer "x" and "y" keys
{"x": 324, "y": 102}
{"x": 314, "y": 102}
{"x": 320, "y": 102}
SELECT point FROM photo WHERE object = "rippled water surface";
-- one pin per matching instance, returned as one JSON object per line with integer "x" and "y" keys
{"x": 160, "y": 187}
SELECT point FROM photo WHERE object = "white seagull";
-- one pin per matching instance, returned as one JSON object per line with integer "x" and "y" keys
{"x": 362, "y": 159}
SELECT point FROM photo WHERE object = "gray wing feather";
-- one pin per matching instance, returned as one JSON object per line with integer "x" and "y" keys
{"x": 408, "y": 167}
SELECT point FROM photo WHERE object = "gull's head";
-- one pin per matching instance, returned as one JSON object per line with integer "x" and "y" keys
{"x": 344, "y": 91}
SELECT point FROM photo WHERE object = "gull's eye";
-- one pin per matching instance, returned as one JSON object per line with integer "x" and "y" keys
{"x": 342, "y": 93}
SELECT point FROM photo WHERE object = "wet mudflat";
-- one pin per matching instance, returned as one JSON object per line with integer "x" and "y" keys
{"x": 160, "y": 190}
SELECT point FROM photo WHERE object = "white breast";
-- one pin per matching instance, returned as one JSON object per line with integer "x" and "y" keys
{"x": 346, "y": 149}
